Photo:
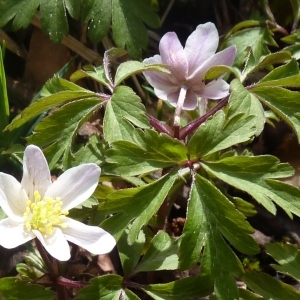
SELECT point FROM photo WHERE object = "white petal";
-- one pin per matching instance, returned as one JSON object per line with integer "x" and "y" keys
{"x": 200, "y": 45}
{"x": 216, "y": 89}
{"x": 55, "y": 244}
{"x": 12, "y": 234}
{"x": 92, "y": 238}
{"x": 36, "y": 174}
{"x": 12, "y": 197}
{"x": 224, "y": 57}
{"x": 172, "y": 54}
{"x": 75, "y": 185}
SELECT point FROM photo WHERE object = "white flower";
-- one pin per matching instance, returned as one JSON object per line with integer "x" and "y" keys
{"x": 38, "y": 208}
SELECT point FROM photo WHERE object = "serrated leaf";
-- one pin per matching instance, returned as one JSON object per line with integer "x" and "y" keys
{"x": 56, "y": 132}
{"x": 255, "y": 38}
{"x": 244, "y": 119}
{"x": 123, "y": 110}
{"x": 129, "y": 68}
{"x": 130, "y": 254}
{"x": 182, "y": 289}
{"x": 143, "y": 155}
{"x": 288, "y": 256}
{"x": 14, "y": 289}
{"x": 268, "y": 287}
{"x": 283, "y": 102}
{"x": 281, "y": 73}
{"x": 217, "y": 71}
{"x": 96, "y": 73}
{"x": 127, "y": 18}
{"x": 149, "y": 198}
{"x": 243, "y": 25}
{"x": 68, "y": 92}
{"x": 265, "y": 61}
{"x": 21, "y": 11}
{"x": 54, "y": 19}
{"x": 106, "y": 287}
{"x": 209, "y": 210}
{"x": 162, "y": 254}
{"x": 255, "y": 175}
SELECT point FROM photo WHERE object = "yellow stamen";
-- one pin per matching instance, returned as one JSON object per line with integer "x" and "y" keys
{"x": 44, "y": 214}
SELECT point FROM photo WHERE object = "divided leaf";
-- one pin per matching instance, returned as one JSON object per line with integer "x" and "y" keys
{"x": 256, "y": 176}
{"x": 123, "y": 110}
{"x": 143, "y": 155}
{"x": 288, "y": 256}
{"x": 210, "y": 214}
{"x": 162, "y": 254}
{"x": 269, "y": 287}
{"x": 106, "y": 287}
{"x": 135, "y": 204}
{"x": 56, "y": 132}
{"x": 244, "y": 119}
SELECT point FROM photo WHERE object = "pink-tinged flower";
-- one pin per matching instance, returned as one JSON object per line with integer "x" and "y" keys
{"x": 188, "y": 66}
{"x": 38, "y": 208}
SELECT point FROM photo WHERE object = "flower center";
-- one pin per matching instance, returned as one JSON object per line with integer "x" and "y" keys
{"x": 44, "y": 215}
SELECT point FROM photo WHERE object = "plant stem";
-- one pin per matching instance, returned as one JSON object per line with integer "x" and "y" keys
{"x": 178, "y": 109}
{"x": 53, "y": 268}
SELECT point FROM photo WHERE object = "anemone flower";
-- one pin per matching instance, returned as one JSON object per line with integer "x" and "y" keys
{"x": 188, "y": 66}
{"x": 38, "y": 208}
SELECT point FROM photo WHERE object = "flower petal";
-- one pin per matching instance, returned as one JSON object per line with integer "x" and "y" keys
{"x": 55, "y": 244}
{"x": 12, "y": 197}
{"x": 172, "y": 54}
{"x": 92, "y": 238}
{"x": 75, "y": 185}
{"x": 200, "y": 45}
{"x": 12, "y": 234}
{"x": 225, "y": 57}
{"x": 191, "y": 100}
{"x": 36, "y": 174}
{"x": 216, "y": 89}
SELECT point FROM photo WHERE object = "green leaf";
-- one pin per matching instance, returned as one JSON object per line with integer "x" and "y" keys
{"x": 283, "y": 102}
{"x": 248, "y": 295}
{"x": 217, "y": 71}
{"x": 288, "y": 256}
{"x": 264, "y": 62}
{"x": 130, "y": 254}
{"x": 21, "y": 11}
{"x": 54, "y": 19}
{"x": 73, "y": 92}
{"x": 129, "y": 68}
{"x": 269, "y": 287}
{"x": 162, "y": 254}
{"x": 182, "y": 289}
{"x": 255, "y": 38}
{"x": 149, "y": 199}
{"x": 73, "y": 7}
{"x": 14, "y": 289}
{"x": 56, "y": 132}
{"x": 243, "y": 25}
{"x": 206, "y": 215}
{"x": 127, "y": 18}
{"x": 4, "y": 104}
{"x": 243, "y": 120}
{"x": 255, "y": 175}
{"x": 106, "y": 287}
{"x": 123, "y": 110}
{"x": 143, "y": 156}
{"x": 96, "y": 73}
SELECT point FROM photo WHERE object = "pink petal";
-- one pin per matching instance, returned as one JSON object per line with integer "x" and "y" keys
{"x": 55, "y": 244}
{"x": 75, "y": 185}
{"x": 225, "y": 57}
{"x": 200, "y": 45}
{"x": 216, "y": 89}
{"x": 172, "y": 54}
{"x": 12, "y": 197}
{"x": 92, "y": 238}
{"x": 12, "y": 234}
{"x": 191, "y": 100}
{"x": 36, "y": 174}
